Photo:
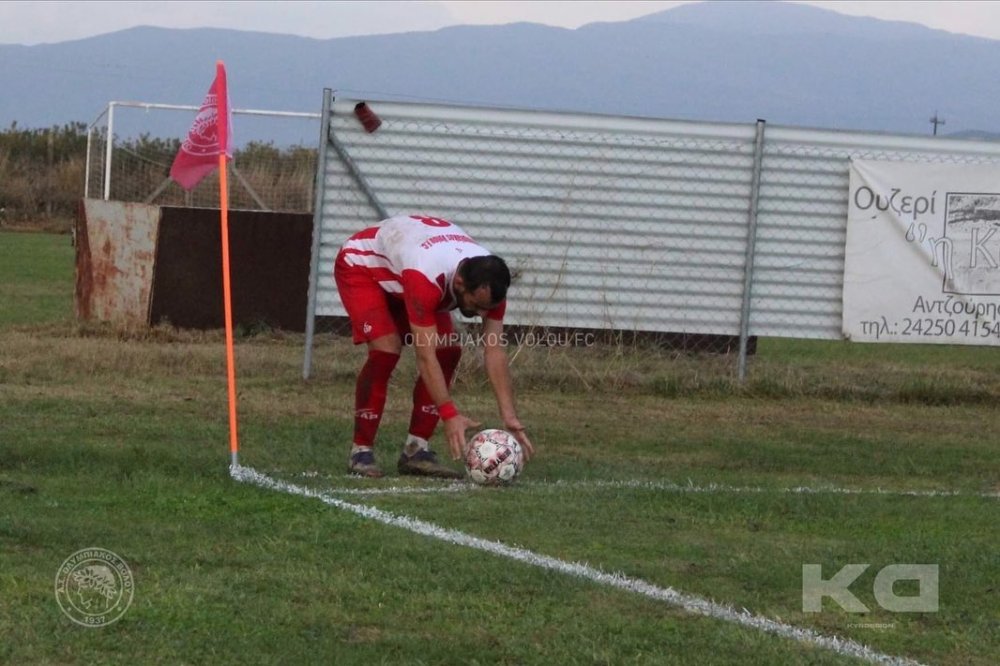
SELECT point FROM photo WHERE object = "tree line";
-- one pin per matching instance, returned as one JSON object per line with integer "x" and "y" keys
{"x": 43, "y": 173}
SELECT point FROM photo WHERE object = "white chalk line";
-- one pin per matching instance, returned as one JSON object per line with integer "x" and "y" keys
{"x": 638, "y": 484}
{"x": 690, "y": 603}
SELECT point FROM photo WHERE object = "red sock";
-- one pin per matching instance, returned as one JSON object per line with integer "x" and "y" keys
{"x": 424, "y": 418}
{"x": 369, "y": 395}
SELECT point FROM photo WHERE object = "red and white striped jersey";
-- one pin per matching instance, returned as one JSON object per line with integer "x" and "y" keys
{"x": 413, "y": 257}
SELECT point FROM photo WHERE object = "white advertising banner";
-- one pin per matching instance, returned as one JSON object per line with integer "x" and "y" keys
{"x": 922, "y": 261}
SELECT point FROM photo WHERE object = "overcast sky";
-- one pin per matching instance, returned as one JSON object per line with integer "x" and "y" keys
{"x": 37, "y": 22}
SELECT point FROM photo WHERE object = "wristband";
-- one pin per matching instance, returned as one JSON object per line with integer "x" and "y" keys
{"x": 448, "y": 411}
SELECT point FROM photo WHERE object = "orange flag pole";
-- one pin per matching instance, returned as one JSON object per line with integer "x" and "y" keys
{"x": 234, "y": 445}
{"x": 209, "y": 136}
{"x": 222, "y": 125}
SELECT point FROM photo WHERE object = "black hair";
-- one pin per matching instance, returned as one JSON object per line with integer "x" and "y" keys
{"x": 489, "y": 270}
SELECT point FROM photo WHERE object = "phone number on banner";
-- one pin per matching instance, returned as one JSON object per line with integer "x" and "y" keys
{"x": 933, "y": 328}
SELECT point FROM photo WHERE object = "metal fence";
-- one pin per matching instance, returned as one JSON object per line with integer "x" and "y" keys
{"x": 131, "y": 145}
{"x": 611, "y": 223}
{"x": 798, "y": 269}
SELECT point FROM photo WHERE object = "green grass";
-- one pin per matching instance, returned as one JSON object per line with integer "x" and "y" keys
{"x": 118, "y": 440}
{"x": 36, "y": 278}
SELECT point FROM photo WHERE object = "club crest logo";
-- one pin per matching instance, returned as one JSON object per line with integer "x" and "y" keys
{"x": 94, "y": 587}
{"x": 203, "y": 139}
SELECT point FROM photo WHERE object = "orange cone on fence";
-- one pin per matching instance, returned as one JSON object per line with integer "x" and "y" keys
{"x": 369, "y": 120}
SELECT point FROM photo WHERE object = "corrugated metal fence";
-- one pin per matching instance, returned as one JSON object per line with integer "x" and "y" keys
{"x": 615, "y": 223}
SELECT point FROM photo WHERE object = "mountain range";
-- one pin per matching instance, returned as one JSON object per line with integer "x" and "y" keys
{"x": 789, "y": 64}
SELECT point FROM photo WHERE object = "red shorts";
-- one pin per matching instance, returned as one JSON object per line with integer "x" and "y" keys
{"x": 372, "y": 311}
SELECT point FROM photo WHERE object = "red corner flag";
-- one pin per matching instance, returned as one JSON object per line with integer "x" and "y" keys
{"x": 199, "y": 154}
{"x": 209, "y": 145}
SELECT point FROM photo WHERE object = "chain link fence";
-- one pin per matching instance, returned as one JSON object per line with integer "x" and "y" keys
{"x": 273, "y": 166}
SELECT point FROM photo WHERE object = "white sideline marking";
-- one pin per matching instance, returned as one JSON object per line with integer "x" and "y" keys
{"x": 692, "y": 604}
{"x": 669, "y": 486}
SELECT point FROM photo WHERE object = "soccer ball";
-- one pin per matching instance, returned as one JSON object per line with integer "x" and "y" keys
{"x": 494, "y": 458}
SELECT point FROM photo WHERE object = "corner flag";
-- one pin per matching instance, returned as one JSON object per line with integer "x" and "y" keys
{"x": 209, "y": 145}
{"x": 208, "y": 137}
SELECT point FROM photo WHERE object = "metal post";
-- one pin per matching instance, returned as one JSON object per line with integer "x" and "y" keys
{"x": 352, "y": 168}
{"x": 86, "y": 166}
{"x": 90, "y": 149}
{"x": 320, "y": 187}
{"x": 936, "y": 121}
{"x": 107, "y": 157}
{"x": 758, "y": 158}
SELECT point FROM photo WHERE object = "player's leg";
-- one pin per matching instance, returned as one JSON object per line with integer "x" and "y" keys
{"x": 371, "y": 323}
{"x": 372, "y": 388}
{"x": 417, "y": 458}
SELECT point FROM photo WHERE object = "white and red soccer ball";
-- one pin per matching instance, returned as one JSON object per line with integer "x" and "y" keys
{"x": 494, "y": 458}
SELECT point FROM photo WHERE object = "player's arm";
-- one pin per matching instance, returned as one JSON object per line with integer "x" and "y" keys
{"x": 498, "y": 371}
{"x": 455, "y": 424}
{"x": 421, "y": 300}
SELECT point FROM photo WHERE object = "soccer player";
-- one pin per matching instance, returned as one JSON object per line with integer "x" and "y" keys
{"x": 399, "y": 281}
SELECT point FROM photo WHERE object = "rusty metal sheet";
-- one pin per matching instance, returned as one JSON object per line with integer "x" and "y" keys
{"x": 115, "y": 251}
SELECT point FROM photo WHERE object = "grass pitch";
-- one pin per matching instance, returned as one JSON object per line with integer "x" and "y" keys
{"x": 660, "y": 467}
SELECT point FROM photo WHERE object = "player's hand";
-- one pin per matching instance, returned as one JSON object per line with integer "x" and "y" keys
{"x": 454, "y": 430}
{"x": 514, "y": 427}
